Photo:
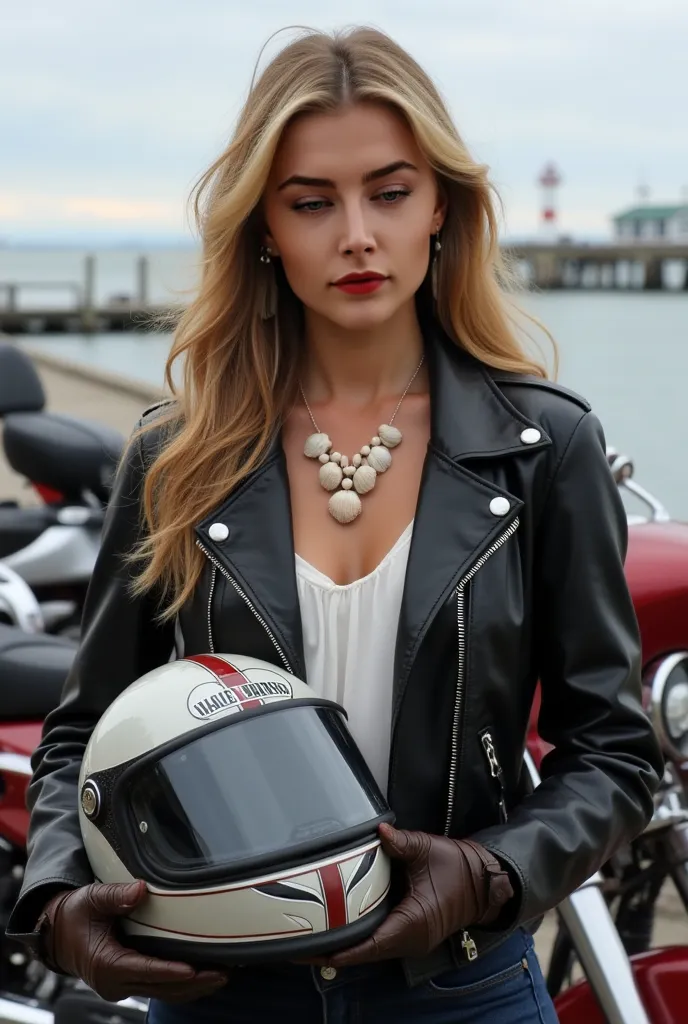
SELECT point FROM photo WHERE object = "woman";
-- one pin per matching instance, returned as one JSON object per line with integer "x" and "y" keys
{"x": 350, "y": 287}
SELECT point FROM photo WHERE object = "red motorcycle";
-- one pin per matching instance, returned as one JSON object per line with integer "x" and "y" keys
{"x": 626, "y": 889}
{"x": 645, "y": 988}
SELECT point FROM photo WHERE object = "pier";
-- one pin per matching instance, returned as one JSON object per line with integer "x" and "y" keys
{"x": 636, "y": 266}
{"x": 80, "y": 313}
{"x": 601, "y": 267}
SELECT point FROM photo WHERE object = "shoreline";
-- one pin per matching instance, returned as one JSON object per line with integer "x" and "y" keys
{"x": 91, "y": 374}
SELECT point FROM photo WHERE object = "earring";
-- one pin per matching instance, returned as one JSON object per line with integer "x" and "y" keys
{"x": 434, "y": 269}
{"x": 267, "y": 286}
{"x": 276, "y": 349}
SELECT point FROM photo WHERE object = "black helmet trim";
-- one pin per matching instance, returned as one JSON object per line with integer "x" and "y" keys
{"x": 168, "y": 850}
{"x": 246, "y": 868}
{"x": 208, "y": 954}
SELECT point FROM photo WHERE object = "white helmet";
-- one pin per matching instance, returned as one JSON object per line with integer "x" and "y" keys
{"x": 242, "y": 801}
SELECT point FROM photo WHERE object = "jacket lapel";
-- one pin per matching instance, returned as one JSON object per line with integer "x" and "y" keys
{"x": 456, "y": 520}
{"x": 454, "y": 523}
{"x": 258, "y": 552}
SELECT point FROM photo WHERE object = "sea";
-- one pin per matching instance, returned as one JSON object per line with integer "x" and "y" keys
{"x": 625, "y": 351}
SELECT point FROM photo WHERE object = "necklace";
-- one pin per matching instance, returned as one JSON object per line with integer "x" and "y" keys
{"x": 349, "y": 481}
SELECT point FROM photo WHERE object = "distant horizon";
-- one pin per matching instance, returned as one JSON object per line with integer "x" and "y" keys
{"x": 99, "y": 241}
{"x": 186, "y": 242}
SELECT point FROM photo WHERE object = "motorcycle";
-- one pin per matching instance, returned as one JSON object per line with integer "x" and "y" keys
{"x": 631, "y": 882}
{"x": 645, "y": 988}
{"x": 18, "y": 604}
{"x": 36, "y": 666}
{"x": 70, "y": 464}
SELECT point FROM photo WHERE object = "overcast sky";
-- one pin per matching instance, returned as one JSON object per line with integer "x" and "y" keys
{"x": 110, "y": 109}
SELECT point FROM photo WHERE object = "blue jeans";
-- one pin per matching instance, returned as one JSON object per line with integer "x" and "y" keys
{"x": 505, "y": 986}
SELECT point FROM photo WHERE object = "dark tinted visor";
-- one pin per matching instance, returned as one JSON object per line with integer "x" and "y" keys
{"x": 262, "y": 785}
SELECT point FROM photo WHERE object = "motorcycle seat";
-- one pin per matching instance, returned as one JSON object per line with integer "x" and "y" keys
{"x": 20, "y": 386}
{"x": 33, "y": 669}
{"x": 67, "y": 454}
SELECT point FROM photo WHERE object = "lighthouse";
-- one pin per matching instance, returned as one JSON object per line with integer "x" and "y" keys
{"x": 549, "y": 181}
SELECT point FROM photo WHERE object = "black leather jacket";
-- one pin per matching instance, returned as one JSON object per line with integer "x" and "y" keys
{"x": 515, "y": 574}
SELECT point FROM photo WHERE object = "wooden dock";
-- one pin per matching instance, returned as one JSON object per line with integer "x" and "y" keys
{"x": 544, "y": 266}
{"x": 80, "y": 314}
{"x": 80, "y": 319}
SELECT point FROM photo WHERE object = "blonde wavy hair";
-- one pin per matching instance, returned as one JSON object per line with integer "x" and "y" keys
{"x": 240, "y": 371}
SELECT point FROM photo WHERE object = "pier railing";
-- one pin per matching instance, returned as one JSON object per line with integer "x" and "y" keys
{"x": 83, "y": 314}
{"x": 12, "y": 289}
{"x": 545, "y": 266}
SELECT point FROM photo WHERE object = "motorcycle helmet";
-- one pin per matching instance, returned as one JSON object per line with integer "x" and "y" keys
{"x": 241, "y": 800}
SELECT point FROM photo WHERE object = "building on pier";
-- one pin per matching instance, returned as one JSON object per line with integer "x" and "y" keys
{"x": 652, "y": 224}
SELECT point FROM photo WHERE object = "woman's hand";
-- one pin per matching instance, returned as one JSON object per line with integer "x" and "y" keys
{"x": 78, "y": 933}
{"x": 452, "y": 884}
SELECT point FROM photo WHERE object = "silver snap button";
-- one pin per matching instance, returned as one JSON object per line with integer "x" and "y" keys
{"x": 328, "y": 973}
{"x": 218, "y": 531}
{"x": 499, "y": 506}
{"x": 530, "y": 435}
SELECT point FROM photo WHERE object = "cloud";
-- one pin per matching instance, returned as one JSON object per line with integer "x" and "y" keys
{"x": 131, "y": 100}
{"x": 108, "y": 209}
{"x": 11, "y": 207}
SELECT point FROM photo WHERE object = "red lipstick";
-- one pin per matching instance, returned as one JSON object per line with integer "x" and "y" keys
{"x": 361, "y": 283}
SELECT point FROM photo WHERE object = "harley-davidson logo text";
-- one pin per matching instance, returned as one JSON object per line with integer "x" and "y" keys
{"x": 211, "y": 698}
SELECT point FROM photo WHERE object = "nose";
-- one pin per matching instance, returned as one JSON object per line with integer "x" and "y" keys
{"x": 357, "y": 235}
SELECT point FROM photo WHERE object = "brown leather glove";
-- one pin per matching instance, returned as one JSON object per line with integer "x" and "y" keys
{"x": 78, "y": 937}
{"x": 452, "y": 884}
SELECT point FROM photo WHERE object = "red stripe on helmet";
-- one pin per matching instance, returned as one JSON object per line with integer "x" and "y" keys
{"x": 335, "y": 896}
{"x": 226, "y": 674}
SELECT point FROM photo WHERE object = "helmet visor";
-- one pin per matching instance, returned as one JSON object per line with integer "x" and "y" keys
{"x": 257, "y": 790}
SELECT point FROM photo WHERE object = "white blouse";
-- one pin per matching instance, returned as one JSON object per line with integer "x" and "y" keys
{"x": 349, "y": 635}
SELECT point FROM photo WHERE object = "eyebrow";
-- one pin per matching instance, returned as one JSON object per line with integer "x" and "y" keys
{"x": 381, "y": 172}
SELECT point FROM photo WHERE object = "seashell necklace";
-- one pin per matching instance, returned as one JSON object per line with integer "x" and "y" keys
{"x": 349, "y": 481}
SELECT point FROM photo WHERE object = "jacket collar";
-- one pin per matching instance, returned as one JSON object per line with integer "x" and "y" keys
{"x": 454, "y": 524}
{"x": 471, "y": 418}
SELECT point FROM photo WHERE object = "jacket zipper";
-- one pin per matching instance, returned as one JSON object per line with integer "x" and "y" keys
{"x": 458, "y": 700}
{"x": 467, "y": 943}
{"x": 495, "y": 770}
{"x": 218, "y": 567}
{"x": 469, "y": 947}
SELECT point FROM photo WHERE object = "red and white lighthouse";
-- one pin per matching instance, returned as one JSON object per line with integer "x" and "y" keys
{"x": 549, "y": 181}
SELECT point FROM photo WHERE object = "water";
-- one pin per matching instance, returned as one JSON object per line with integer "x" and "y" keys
{"x": 626, "y": 352}
{"x": 171, "y": 272}
{"x": 138, "y": 355}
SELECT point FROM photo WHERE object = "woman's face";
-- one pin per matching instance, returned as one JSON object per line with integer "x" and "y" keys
{"x": 350, "y": 193}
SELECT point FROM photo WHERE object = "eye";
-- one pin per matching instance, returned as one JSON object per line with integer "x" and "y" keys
{"x": 311, "y": 205}
{"x": 392, "y": 195}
